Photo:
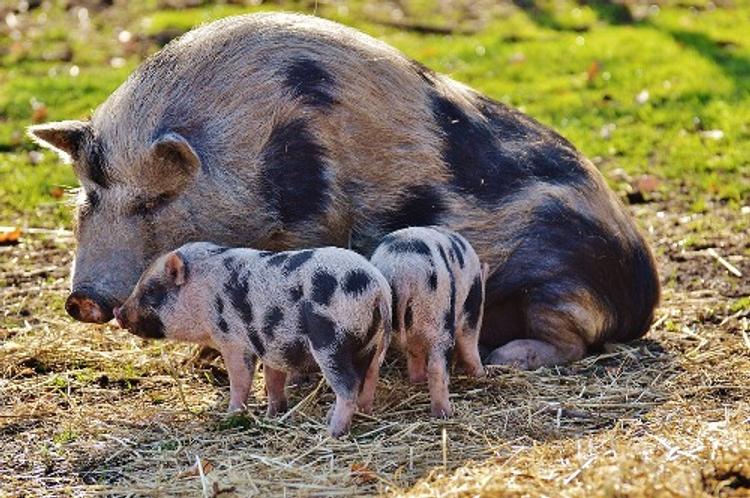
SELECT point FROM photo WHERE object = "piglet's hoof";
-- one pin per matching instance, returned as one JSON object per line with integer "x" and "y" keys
{"x": 338, "y": 430}
{"x": 440, "y": 411}
{"x": 276, "y": 408}
{"x": 235, "y": 409}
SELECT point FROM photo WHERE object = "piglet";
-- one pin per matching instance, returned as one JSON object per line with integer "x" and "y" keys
{"x": 295, "y": 310}
{"x": 438, "y": 285}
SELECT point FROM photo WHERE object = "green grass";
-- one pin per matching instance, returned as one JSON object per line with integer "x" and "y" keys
{"x": 694, "y": 62}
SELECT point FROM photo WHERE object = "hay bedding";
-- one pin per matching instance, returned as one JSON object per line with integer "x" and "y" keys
{"x": 91, "y": 410}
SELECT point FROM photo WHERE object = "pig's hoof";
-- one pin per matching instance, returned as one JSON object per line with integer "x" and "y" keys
{"x": 365, "y": 407}
{"x": 440, "y": 411}
{"x": 338, "y": 430}
{"x": 235, "y": 409}
{"x": 277, "y": 408}
{"x": 476, "y": 372}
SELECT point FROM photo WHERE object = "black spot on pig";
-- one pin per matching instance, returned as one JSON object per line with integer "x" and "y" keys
{"x": 294, "y": 183}
{"x": 473, "y": 303}
{"x": 255, "y": 341}
{"x": 356, "y": 281}
{"x": 395, "y": 320}
{"x": 323, "y": 286}
{"x": 265, "y": 254}
{"x": 149, "y": 326}
{"x": 408, "y": 317}
{"x": 450, "y": 313}
{"x": 309, "y": 81}
{"x": 271, "y": 320}
{"x": 238, "y": 291}
{"x": 409, "y": 246}
{"x": 494, "y": 157}
{"x": 421, "y": 205}
{"x": 278, "y": 259}
{"x": 297, "y": 259}
{"x": 294, "y": 353}
{"x": 296, "y": 293}
{"x": 448, "y": 356}
{"x": 350, "y": 362}
{"x": 221, "y": 322}
{"x": 457, "y": 251}
{"x": 320, "y": 329}
{"x": 432, "y": 280}
{"x": 155, "y": 294}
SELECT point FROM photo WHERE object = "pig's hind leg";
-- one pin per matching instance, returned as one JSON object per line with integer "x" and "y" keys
{"x": 556, "y": 336}
{"x": 275, "y": 381}
{"x": 367, "y": 392}
{"x": 240, "y": 364}
{"x": 345, "y": 372}
{"x": 468, "y": 351}
{"x": 438, "y": 362}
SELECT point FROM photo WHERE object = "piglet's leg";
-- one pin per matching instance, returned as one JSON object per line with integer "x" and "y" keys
{"x": 275, "y": 380}
{"x": 416, "y": 363}
{"x": 468, "y": 352}
{"x": 240, "y": 367}
{"x": 341, "y": 418}
{"x": 367, "y": 393}
{"x": 437, "y": 380}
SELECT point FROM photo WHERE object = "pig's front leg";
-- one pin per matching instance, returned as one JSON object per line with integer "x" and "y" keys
{"x": 240, "y": 364}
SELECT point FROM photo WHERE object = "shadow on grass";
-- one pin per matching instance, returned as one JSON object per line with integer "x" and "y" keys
{"x": 718, "y": 52}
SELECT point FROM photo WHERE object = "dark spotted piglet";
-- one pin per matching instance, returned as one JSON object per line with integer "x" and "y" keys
{"x": 437, "y": 283}
{"x": 327, "y": 307}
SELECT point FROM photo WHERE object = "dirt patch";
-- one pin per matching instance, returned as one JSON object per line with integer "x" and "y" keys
{"x": 87, "y": 409}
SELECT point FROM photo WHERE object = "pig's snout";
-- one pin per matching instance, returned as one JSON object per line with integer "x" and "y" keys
{"x": 85, "y": 305}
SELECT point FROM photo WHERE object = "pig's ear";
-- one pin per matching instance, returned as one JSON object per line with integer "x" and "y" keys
{"x": 64, "y": 137}
{"x": 174, "y": 268}
{"x": 174, "y": 155}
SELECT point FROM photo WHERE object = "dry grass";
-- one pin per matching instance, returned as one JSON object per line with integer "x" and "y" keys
{"x": 91, "y": 410}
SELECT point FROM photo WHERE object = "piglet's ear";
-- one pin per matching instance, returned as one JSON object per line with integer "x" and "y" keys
{"x": 173, "y": 156}
{"x": 65, "y": 137}
{"x": 174, "y": 268}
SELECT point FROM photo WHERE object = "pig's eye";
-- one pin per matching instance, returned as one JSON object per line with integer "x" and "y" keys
{"x": 150, "y": 205}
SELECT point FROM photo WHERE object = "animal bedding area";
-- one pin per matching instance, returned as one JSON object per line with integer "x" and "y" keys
{"x": 90, "y": 409}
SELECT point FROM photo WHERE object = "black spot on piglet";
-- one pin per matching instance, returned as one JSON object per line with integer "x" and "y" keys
{"x": 473, "y": 303}
{"x": 320, "y": 329}
{"x": 323, "y": 286}
{"x": 356, "y": 281}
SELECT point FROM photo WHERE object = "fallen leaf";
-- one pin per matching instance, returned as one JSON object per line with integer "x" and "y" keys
{"x": 57, "y": 192}
{"x": 363, "y": 474}
{"x": 646, "y": 183}
{"x": 193, "y": 471}
{"x": 10, "y": 238}
{"x": 593, "y": 71}
{"x": 39, "y": 113}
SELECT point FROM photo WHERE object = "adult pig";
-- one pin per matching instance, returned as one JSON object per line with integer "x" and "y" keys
{"x": 281, "y": 131}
